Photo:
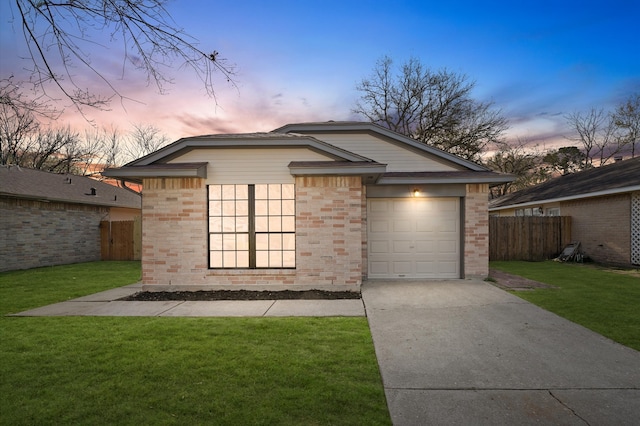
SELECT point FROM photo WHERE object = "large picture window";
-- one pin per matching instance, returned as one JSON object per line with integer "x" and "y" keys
{"x": 252, "y": 226}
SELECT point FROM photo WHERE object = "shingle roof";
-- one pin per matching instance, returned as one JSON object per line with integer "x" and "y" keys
{"x": 19, "y": 182}
{"x": 623, "y": 176}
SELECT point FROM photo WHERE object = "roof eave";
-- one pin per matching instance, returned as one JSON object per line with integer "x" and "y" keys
{"x": 400, "y": 180}
{"x": 173, "y": 170}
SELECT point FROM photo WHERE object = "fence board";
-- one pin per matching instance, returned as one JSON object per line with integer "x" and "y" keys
{"x": 121, "y": 240}
{"x": 528, "y": 238}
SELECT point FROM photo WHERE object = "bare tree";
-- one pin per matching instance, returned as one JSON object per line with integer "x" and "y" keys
{"x": 600, "y": 134}
{"x": 525, "y": 163}
{"x": 60, "y": 36}
{"x": 434, "y": 107}
{"x": 144, "y": 139}
{"x": 627, "y": 118}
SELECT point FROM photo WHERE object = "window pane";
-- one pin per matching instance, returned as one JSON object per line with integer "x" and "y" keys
{"x": 262, "y": 259}
{"x": 274, "y": 207}
{"x": 289, "y": 207}
{"x": 215, "y": 259}
{"x": 242, "y": 192}
{"x": 242, "y": 224}
{"x": 288, "y": 224}
{"x": 242, "y": 208}
{"x": 275, "y": 224}
{"x": 215, "y": 242}
{"x": 229, "y": 241}
{"x": 262, "y": 241}
{"x": 215, "y": 224}
{"x": 228, "y": 224}
{"x": 261, "y": 208}
{"x": 261, "y": 192}
{"x": 289, "y": 241}
{"x": 243, "y": 259}
{"x": 262, "y": 224}
{"x": 275, "y": 259}
{"x": 275, "y": 242}
{"x": 229, "y": 208}
{"x": 228, "y": 192}
{"x": 242, "y": 241}
{"x": 229, "y": 259}
{"x": 215, "y": 208}
{"x": 215, "y": 192}
{"x": 289, "y": 259}
{"x": 288, "y": 191}
{"x": 274, "y": 191}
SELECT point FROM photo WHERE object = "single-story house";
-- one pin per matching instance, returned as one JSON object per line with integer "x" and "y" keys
{"x": 54, "y": 219}
{"x": 311, "y": 205}
{"x": 604, "y": 205}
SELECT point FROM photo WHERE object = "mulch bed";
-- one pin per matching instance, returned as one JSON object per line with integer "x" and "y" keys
{"x": 515, "y": 282}
{"x": 154, "y": 296}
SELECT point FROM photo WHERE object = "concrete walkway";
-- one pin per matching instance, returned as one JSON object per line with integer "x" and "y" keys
{"x": 464, "y": 352}
{"x": 106, "y": 304}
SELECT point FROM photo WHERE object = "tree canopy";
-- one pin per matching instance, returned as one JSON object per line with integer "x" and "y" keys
{"x": 434, "y": 107}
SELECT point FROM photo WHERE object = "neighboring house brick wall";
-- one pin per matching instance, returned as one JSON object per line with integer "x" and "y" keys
{"x": 328, "y": 237}
{"x": 36, "y": 233}
{"x": 476, "y": 231}
{"x": 602, "y": 225}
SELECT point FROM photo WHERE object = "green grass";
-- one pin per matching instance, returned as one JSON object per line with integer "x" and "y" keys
{"x": 604, "y": 301}
{"x": 223, "y": 371}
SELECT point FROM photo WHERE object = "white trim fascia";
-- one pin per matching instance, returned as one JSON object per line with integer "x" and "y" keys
{"x": 440, "y": 180}
{"x": 570, "y": 198}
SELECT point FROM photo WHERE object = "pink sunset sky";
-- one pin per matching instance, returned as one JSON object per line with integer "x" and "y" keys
{"x": 300, "y": 61}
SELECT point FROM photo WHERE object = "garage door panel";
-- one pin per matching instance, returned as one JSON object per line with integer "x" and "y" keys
{"x": 400, "y": 246}
{"x": 378, "y": 226}
{"x": 379, "y": 247}
{"x": 414, "y": 238}
{"x": 425, "y": 247}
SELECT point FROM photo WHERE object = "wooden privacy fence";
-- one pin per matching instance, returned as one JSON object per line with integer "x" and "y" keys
{"x": 121, "y": 240}
{"x": 528, "y": 238}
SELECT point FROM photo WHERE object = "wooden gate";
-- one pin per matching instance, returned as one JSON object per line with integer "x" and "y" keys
{"x": 121, "y": 240}
{"x": 528, "y": 237}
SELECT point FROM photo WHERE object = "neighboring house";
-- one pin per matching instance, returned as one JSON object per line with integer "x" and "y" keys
{"x": 53, "y": 219}
{"x": 312, "y": 205}
{"x": 604, "y": 205}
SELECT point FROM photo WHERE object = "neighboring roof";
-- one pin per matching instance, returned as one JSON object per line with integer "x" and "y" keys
{"x": 623, "y": 176}
{"x": 363, "y": 127}
{"x": 19, "y": 182}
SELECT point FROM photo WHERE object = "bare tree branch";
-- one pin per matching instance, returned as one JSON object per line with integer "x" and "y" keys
{"x": 56, "y": 33}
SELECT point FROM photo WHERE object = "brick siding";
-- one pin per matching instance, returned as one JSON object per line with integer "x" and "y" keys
{"x": 36, "y": 233}
{"x": 328, "y": 237}
{"x": 476, "y": 231}
{"x": 602, "y": 225}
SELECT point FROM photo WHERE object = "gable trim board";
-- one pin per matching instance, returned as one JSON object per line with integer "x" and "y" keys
{"x": 335, "y": 190}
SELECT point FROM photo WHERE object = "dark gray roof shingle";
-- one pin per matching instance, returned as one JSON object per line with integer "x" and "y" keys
{"x": 612, "y": 177}
{"x": 19, "y": 182}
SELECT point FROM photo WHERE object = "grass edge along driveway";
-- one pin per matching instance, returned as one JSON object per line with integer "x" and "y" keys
{"x": 599, "y": 299}
{"x": 97, "y": 370}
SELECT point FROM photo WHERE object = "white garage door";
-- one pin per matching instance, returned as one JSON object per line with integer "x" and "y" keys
{"x": 414, "y": 237}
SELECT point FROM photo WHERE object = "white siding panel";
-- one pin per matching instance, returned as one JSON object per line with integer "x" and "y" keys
{"x": 397, "y": 158}
{"x": 249, "y": 165}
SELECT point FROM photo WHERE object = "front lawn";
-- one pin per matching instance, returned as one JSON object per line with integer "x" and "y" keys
{"x": 97, "y": 370}
{"x": 604, "y": 301}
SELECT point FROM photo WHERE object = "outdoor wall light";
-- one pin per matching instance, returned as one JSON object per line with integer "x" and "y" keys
{"x": 415, "y": 192}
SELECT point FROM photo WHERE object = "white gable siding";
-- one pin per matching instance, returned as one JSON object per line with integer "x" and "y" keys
{"x": 398, "y": 158}
{"x": 249, "y": 165}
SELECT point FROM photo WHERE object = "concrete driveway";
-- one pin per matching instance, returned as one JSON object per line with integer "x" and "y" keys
{"x": 464, "y": 352}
